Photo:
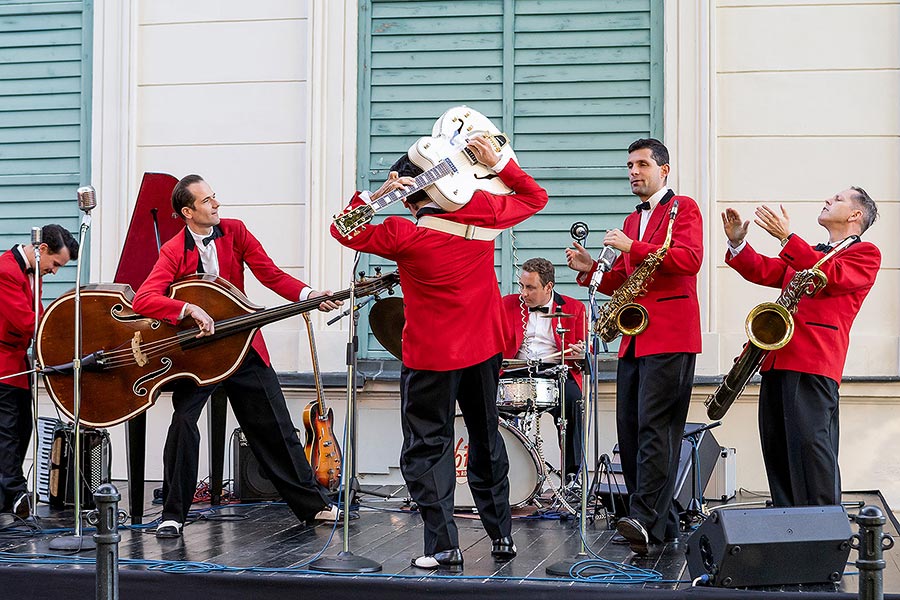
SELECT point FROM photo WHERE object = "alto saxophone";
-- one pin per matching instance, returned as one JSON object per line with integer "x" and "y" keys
{"x": 622, "y": 315}
{"x": 769, "y": 326}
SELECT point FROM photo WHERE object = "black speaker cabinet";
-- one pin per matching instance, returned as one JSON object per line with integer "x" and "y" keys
{"x": 251, "y": 484}
{"x": 771, "y": 546}
{"x": 708, "y": 453}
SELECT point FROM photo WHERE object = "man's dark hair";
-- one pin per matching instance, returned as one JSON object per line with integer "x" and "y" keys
{"x": 182, "y": 196}
{"x": 57, "y": 236}
{"x": 865, "y": 203}
{"x": 407, "y": 168}
{"x": 658, "y": 150}
{"x": 543, "y": 267}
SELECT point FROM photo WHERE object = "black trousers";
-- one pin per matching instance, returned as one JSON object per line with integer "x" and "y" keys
{"x": 258, "y": 403}
{"x": 427, "y": 459}
{"x": 799, "y": 430}
{"x": 15, "y": 435}
{"x": 573, "y": 448}
{"x": 653, "y": 395}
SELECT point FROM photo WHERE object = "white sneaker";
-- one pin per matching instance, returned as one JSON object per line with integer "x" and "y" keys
{"x": 168, "y": 529}
{"x": 328, "y": 514}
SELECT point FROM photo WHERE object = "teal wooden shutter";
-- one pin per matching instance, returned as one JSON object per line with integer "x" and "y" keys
{"x": 45, "y": 58}
{"x": 573, "y": 82}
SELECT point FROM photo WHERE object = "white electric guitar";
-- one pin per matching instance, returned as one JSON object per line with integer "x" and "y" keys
{"x": 451, "y": 171}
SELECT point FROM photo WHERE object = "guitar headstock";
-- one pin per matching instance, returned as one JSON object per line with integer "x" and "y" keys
{"x": 372, "y": 286}
{"x": 350, "y": 221}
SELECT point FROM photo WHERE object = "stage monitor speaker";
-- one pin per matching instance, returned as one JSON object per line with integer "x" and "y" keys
{"x": 251, "y": 484}
{"x": 95, "y": 460}
{"x": 709, "y": 453}
{"x": 771, "y": 546}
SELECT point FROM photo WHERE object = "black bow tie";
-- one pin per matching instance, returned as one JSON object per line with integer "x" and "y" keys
{"x": 645, "y": 205}
{"x": 215, "y": 234}
{"x": 823, "y": 247}
{"x": 29, "y": 271}
{"x": 543, "y": 309}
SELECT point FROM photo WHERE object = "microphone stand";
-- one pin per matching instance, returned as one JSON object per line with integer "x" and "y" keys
{"x": 346, "y": 561}
{"x": 36, "y": 244}
{"x": 77, "y": 542}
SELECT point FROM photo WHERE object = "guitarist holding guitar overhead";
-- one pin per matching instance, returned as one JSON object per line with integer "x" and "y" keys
{"x": 453, "y": 338}
{"x": 223, "y": 247}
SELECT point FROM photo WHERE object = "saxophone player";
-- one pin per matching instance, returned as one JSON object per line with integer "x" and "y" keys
{"x": 798, "y": 395}
{"x": 655, "y": 370}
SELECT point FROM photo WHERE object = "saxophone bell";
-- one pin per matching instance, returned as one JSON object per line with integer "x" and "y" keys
{"x": 769, "y": 326}
{"x": 632, "y": 319}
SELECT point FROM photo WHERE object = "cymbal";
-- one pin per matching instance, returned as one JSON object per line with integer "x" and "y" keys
{"x": 386, "y": 320}
{"x": 557, "y": 315}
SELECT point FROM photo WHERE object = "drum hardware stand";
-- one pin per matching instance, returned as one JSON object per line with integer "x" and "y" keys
{"x": 562, "y": 568}
{"x": 345, "y": 561}
{"x": 562, "y": 373}
{"x": 78, "y": 542}
{"x": 695, "y": 508}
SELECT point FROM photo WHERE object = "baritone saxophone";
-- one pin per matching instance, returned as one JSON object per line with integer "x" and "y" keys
{"x": 769, "y": 326}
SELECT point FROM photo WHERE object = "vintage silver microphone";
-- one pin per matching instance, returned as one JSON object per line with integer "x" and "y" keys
{"x": 87, "y": 201}
{"x": 605, "y": 260}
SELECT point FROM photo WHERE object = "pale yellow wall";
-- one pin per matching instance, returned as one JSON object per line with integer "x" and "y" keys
{"x": 807, "y": 97}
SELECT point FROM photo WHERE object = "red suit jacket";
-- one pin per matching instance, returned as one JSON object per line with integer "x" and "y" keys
{"x": 821, "y": 323}
{"x": 236, "y": 247}
{"x": 450, "y": 291}
{"x": 517, "y": 316}
{"x": 16, "y": 318}
{"x": 671, "y": 298}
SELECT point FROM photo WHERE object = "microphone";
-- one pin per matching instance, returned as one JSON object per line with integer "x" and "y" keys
{"x": 605, "y": 260}
{"x": 87, "y": 200}
{"x": 35, "y": 236}
{"x": 579, "y": 231}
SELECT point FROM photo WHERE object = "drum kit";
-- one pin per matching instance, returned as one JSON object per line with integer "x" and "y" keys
{"x": 529, "y": 389}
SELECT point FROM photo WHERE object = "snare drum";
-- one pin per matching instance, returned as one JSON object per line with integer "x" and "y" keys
{"x": 516, "y": 395}
{"x": 526, "y": 471}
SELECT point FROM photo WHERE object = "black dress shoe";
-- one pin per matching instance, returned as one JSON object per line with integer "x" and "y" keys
{"x": 635, "y": 533}
{"x": 503, "y": 549}
{"x": 446, "y": 560}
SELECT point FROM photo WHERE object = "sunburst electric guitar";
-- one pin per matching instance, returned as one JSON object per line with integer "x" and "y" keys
{"x": 322, "y": 449}
{"x": 451, "y": 171}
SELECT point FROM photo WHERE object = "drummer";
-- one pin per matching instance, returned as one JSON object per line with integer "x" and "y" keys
{"x": 537, "y": 340}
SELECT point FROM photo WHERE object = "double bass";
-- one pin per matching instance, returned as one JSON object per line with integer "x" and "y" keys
{"x": 129, "y": 358}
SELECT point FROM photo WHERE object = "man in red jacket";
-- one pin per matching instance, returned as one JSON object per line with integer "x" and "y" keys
{"x": 798, "y": 396}
{"x": 224, "y": 247}
{"x": 17, "y": 318}
{"x": 655, "y": 372}
{"x": 536, "y": 337}
{"x": 452, "y": 343}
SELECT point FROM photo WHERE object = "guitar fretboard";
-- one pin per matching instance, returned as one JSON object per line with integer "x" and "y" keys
{"x": 442, "y": 169}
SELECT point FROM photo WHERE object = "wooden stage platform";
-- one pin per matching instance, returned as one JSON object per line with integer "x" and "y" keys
{"x": 262, "y": 550}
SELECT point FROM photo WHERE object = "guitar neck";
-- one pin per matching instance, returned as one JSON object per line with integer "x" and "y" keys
{"x": 420, "y": 182}
{"x": 320, "y": 397}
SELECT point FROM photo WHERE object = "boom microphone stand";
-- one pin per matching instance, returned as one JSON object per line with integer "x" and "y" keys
{"x": 87, "y": 200}
{"x": 36, "y": 244}
{"x": 346, "y": 561}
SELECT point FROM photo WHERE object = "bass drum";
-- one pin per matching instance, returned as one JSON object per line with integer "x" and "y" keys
{"x": 526, "y": 472}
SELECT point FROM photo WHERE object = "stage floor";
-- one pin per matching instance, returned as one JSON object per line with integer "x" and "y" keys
{"x": 265, "y": 539}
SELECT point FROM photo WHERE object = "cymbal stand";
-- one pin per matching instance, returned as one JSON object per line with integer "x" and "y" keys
{"x": 36, "y": 244}
{"x": 345, "y": 561}
{"x": 77, "y": 542}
